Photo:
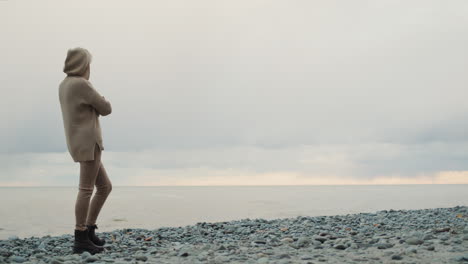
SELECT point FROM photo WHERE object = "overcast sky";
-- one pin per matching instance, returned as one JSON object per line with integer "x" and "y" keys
{"x": 242, "y": 92}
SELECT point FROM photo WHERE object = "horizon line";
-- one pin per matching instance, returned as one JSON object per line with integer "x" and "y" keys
{"x": 234, "y": 185}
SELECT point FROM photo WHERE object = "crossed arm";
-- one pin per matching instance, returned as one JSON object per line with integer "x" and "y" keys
{"x": 97, "y": 101}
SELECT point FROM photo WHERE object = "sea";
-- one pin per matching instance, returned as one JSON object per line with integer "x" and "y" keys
{"x": 41, "y": 211}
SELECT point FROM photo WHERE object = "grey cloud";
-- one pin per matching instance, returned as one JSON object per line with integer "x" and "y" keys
{"x": 220, "y": 84}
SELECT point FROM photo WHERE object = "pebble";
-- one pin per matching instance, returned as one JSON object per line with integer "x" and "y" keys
{"x": 17, "y": 259}
{"x": 430, "y": 248}
{"x": 414, "y": 241}
{"x": 412, "y": 250}
{"x": 91, "y": 259}
{"x": 303, "y": 242}
{"x": 410, "y": 236}
{"x": 340, "y": 246}
{"x": 184, "y": 253}
{"x": 85, "y": 255}
{"x": 287, "y": 240}
{"x": 321, "y": 239}
{"x": 384, "y": 245}
{"x": 141, "y": 257}
{"x": 462, "y": 258}
{"x": 263, "y": 260}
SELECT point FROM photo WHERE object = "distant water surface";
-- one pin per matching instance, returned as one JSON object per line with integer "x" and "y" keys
{"x": 39, "y": 211}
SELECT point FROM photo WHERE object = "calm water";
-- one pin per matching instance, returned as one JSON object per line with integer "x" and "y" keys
{"x": 39, "y": 211}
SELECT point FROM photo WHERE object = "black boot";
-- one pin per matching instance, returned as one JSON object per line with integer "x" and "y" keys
{"x": 92, "y": 236}
{"x": 82, "y": 243}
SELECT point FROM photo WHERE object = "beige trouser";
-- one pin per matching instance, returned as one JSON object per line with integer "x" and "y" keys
{"x": 91, "y": 173}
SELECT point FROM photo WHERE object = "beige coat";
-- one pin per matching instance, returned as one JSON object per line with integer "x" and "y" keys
{"x": 81, "y": 106}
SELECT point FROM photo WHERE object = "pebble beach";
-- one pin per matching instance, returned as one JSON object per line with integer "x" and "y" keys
{"x": 437, "y": 235}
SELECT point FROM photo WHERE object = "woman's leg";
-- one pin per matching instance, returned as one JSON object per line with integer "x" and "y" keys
{"x": 103, "y": 188}
{"x": 88, "y": 174}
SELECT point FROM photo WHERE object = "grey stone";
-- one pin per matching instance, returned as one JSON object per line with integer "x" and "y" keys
{"x": 414, "y": 241}
{"x": 430, "y": 248}
{"x": 462, "y": 258}
{"x": 141, "y": 257}
{"x": 340, "y": 247}
{"x": 263, "y": 260}
{"x": 384, "y": 245}
{"x": 91, "y": 259}
{"x": 428, "y": 237}
{"x": 412, "y": 250}
{"x": 306, "y": 257}
{"x": 303, "y": 242}
{"x": 184, "y": 253}
{"x": 321, "y": 239}
{"x": 221, "y": 247}
{"x": 17, "y": 259}
{"x": 56, "y": 261}
{"x": 444, "y": 237}
{"x": 85, "y": 255}
{"x": 42, "y": 245}
{"x": 221, "y": 259}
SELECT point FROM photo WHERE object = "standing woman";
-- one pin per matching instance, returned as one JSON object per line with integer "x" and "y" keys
{"x": 81, "y": 107}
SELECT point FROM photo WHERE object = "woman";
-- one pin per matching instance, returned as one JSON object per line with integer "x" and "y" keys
{"x": 81, "y": 107}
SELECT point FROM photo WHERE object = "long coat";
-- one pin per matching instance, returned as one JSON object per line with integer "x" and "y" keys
{"x": 81, "y": 107}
